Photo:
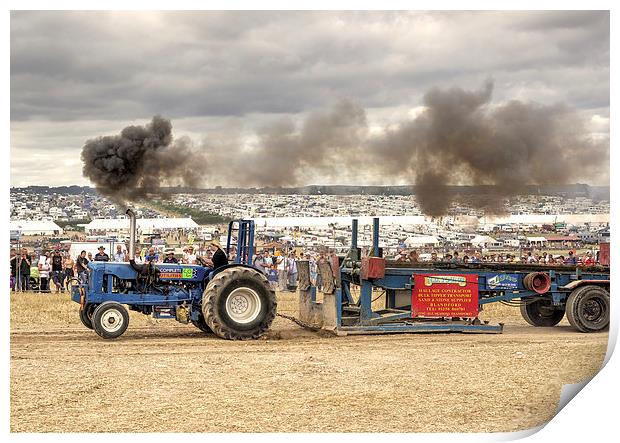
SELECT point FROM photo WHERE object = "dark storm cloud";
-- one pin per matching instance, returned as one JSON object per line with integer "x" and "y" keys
{"x": 67, "y": 65}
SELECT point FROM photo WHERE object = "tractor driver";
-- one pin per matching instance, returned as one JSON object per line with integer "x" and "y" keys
{"x": 219, "y": 257}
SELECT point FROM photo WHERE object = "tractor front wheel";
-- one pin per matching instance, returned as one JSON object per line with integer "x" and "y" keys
{"x": 86, "y": 315}
{"x": 238, "y": 304}
{"x": 110, "y": 320}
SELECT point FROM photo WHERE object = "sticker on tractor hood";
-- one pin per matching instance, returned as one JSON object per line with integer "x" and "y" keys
{"x": 178, "y": 273}
{"x": 503, "y": 281}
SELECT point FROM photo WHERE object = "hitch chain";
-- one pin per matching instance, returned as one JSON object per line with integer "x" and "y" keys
{"x": 303, "y": 324}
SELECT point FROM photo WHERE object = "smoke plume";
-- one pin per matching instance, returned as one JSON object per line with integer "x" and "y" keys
{"x": 460, "y": 138}
{"x": 140, "y": 160}
{"x": 286, "y": 154}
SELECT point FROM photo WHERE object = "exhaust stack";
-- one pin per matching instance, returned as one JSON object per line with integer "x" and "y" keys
{"x": 132, "y": 233}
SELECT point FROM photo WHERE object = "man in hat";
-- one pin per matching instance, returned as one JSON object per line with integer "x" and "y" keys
{"x": 101, "y": 255}
{"x": 219, "y": 256}
{"x": 170, "y": 258}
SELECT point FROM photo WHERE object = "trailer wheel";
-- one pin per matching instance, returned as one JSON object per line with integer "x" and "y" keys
{"x": 110, "y": 320}
{"x": 202, "y": 325}
{"x": 541, "y": 312}
{"x": 86, "y": 315}
{"x": 587, "y": 308}
{"x": 238, "y": 304}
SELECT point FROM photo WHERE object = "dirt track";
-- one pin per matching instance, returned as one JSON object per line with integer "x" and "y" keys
{"x": 166, "y": 377}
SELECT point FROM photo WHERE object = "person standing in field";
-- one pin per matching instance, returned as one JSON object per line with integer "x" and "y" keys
{"x": 589, "y": 260}
{"x": 24, "y": 270}
{"x": 152, "y": 256}
{"x": 312, "y": 268}
{"x": 259, "y": 262}
{"x": 13, "y": 269}
{"x": 68, "y": 265}
{"x": 119, "y": 255}
{"x": 572, "y": 259}
{"x": 81, "y": 267}
{"x": 56, "y": 274}
{"x": 189, "y": 257}
{"x": 292, "y": 271}
{"x": 170, "y": 258}
{"x": 101, "y": 255}
{"x": 44, "y": 272}
{"x": 281, "y": 267}
{"x": 272, "y": 274}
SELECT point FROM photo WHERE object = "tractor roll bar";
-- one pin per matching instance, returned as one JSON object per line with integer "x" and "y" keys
{"x": 132, "y": 233}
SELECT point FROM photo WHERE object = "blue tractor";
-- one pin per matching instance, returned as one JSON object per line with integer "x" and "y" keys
{"x": 234, "y": 301}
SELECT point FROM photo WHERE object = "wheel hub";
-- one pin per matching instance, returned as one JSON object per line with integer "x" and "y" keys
{"x": 239, "y": 304}
{"x": 112, "y": 320}
{"x": 592, "y": 310}
{"x": 243, "y": 305}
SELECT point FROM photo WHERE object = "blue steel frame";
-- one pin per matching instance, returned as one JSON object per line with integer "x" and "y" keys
{"x": 245, "y": 240}
{"x": 392, "y": 319}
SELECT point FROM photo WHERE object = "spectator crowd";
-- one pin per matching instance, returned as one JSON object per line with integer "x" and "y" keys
{"x": 279, "y": 265}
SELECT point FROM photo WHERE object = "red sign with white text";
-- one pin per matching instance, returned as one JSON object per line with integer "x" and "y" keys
{"x": 436, "y": 295}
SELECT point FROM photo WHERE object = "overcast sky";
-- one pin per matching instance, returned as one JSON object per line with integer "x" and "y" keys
{"x": 218, "y": 75}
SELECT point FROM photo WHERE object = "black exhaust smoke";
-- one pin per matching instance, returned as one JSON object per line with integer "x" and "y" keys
{"x": 140, "y": 160}
{"x": 459, "y": 138}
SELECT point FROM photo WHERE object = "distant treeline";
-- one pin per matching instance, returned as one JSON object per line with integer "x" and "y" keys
{"x": 63, "y": 223}
{"x": 68, "y": 190}
{"x": 200, "y": 217}
{"x": 572, "y": 190}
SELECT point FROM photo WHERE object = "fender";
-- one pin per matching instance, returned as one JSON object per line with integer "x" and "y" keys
{"x": 576, "y": 283}
{"x": 230, "y": 265}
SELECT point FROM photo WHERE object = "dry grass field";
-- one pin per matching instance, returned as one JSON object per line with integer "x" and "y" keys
{"x": 162, "y": 376}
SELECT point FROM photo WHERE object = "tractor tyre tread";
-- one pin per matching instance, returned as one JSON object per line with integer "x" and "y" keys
{"x": 86, "y": 315}
{"x": 217, "y": 288}
{"x": 202, "y": 325}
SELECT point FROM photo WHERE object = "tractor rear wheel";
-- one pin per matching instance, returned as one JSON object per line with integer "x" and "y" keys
{"x": 587, "y": 308}
{"x": 238, "y": 304}
{"x": 86, "y": 315}
{"x": 202, "y": 325}
{"x": 110, "y": 320}
{"x": 541, "y": 312}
